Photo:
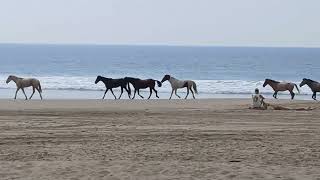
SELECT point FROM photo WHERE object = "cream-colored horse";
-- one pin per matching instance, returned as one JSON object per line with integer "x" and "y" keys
{"x": 178, "y": 84}
{"x": 22, "y": 83}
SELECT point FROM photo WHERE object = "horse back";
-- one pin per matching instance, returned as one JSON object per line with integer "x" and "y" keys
{"x": 27, "y": 82}
{"x": 283, "y": 86}
{"x": 111, "y": 83}
{"x": 145, "y": 83}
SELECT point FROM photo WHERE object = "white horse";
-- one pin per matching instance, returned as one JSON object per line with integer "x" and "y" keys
{"x": 178, "y": 84}
{"x": 22, "y": 83}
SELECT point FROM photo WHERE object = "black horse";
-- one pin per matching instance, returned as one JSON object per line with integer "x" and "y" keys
{"x": 142, "y": 84}
{"x": 113, "y": 83}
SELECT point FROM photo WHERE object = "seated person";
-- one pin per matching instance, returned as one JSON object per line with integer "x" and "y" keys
{"x": 258, "y": 100}
{"x": 258, "y": 103}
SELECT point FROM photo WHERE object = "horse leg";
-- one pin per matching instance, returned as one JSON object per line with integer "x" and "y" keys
{"x": 314, "y": 96}
{"x": 40, "y": 94}
{"x": 24, "y": 94}
{"x": 134, "y": 94}
{"x": 121, "y": 92}
{"x": 275, "y": 94}
{"x": 37, "y": 88}
{"x": 150, "y": 93}
{"x": 113, "y": 94}
{"x": 127, "y": 92}
{"x": 292, "y": 94}
{"x": 187, "y": 93}
{"x": 139, "y": 94}
{"x": 171, "y": 94}
{"x": 15, "y": 97}
{"x": 175, "y": 92}
{"x": 156, "y": 92}
{"x": 32, "y": 92}
{"x": 192, "y": 93}
{"x": 105, "y": 93}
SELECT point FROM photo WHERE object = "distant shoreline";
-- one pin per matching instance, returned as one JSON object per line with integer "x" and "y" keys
{"x": 158, "y": 45}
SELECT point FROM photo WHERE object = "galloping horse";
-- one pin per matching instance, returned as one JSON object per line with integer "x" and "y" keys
{"x": 314, "y": 86}
{"x": 281, "y": 86}
{"x": 178, "y": 84}
{"x": 113, "y": 83}
{"x": 22, "y": 83}
{"x": 142, "y": 84}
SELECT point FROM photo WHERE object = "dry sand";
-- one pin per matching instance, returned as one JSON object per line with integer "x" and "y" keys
{"x": 157, "y": 139}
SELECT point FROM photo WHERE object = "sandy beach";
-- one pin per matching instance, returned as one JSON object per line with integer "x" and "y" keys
{"x": 157, "y": 139}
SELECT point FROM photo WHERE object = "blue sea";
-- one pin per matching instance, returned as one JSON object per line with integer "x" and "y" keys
{"x": 69, "y": 71}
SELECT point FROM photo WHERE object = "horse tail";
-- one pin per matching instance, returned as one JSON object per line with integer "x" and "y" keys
{"x": 40, "y": 89}
{"x": 159, "y": 83}
{"x": 297, "y": 88}
{"x": 194, "y": 85}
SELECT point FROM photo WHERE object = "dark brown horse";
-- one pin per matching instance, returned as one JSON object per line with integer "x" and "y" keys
{"x": 281, "y": 86}
{"x": 313, "y": 85}
{"x": 142, "y": 84}
{"x": 113, "y": 83}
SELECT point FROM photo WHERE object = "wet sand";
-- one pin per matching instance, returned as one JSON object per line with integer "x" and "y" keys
{"x": 157, "y": 139}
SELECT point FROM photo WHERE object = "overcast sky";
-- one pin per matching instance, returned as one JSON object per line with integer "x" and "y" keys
{"x": 166, "y": 22}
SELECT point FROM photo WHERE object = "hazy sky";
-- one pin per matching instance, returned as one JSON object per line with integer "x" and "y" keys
{"x": 169, "y": 22}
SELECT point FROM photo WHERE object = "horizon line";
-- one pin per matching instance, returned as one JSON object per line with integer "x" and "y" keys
{"x": 155, "y": 45}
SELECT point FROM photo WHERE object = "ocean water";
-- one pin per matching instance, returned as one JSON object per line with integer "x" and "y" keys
{"x": 69, "y": 71}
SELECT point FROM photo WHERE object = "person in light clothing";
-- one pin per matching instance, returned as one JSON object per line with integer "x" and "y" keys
{"x": 258, "y": 100}
{"x": 258, "y": 103}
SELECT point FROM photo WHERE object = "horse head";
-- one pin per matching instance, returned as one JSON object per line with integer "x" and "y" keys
{"x": 165, "y": 78}
{"x": 266, "y": 81}
{"x": 303, "y": 82}
{"x": 270, "y": 81}
{"x": 98, "y": 79}
{"x": 9, "y": 79}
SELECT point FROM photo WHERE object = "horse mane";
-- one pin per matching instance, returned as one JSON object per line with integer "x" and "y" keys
{"x": 273, "y": 81}
{"x": 104, "y": 78}
{"x": 310, "y": 80}
{"x": 16, "y": 77}
{"x": 173, "y": 77}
